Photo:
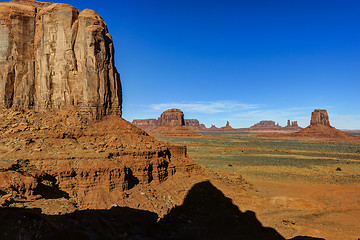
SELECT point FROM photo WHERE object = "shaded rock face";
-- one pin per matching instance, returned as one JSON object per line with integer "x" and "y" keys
{"x": 172, "y": 117}
{"x": 94, "y": 164}
{"x": 192, "y": 122}
{"x": 145, "y": 124}
{"x": 319, "y": 116}
{"x": 52, "y": 56}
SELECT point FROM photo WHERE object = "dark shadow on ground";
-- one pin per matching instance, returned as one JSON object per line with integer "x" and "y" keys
{"x": 205, "y": 214}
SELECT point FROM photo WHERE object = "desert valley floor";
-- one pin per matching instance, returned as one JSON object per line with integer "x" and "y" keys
{"x": 298, "y": 187}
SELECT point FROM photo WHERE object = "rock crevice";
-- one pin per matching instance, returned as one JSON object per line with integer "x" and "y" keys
{"x": 53, "y": 55}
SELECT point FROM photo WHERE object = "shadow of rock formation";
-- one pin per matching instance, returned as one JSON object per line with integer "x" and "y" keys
{"x": 205, "y": 214}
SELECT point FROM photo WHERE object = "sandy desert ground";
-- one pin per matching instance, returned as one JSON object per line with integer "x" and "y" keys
{"x": 298, "y": 187}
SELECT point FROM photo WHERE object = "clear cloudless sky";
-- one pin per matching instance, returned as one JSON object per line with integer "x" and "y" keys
{"x": 237, "y": 61}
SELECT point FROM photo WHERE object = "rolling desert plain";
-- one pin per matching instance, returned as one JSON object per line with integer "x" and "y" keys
{"x": 71, "y": 167}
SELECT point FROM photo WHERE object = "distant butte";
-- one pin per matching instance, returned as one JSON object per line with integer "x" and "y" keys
{"x": 172, "y": 123}
{"x": 320, "y": 128}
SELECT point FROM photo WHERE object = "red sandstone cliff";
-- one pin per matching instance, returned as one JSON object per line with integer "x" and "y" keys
{"x": 53, "y": 55}
{"x": 320, "y": 128}
{"x": 75, "y": 152}
{"x": 172, "y": 123}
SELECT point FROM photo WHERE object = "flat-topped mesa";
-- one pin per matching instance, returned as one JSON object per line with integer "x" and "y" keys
{"x": 53, "y": 56}
{"x": 192, "y": 122}
{"x": 145, "y": 124}
{"x": 319, "y": 116}
{"x": 264, "y": 124}
{"x": 171, "y": 117}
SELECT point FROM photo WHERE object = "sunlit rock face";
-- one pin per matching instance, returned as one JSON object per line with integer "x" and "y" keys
{"x": 172, "y": 117}
{"x": 52, "y": 56}
{"x": 320, "y": 116}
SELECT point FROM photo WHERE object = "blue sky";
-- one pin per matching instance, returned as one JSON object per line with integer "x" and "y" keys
{"x": 237, "y": 61}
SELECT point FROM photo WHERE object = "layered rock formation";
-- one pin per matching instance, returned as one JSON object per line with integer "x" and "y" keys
{"x": 172, "y": 117}
{"x": 292, "y": 126}
{"x": 266, "y": 126}
{"x": 194, "y": 124}
{"x": 319, "y": 116}
{"x": 149, "y": 124}
{"x": 145, "y": 124}
{"x": 60, "y": 61}
{"x": 320, "y": 128}
{"x": 172, "y": 123}
{"x": 53, "y": 56}
{"x": 92, "y": 164}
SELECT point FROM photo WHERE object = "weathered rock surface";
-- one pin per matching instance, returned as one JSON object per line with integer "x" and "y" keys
{"x": 89, "y": 164}
{"x": 145, "y": 124}
{"x": 319, "y": 116}
{"x": 320, "y": 128}
{"x": 149, "y": 124}
{"x": 170, "y": 123}
{"x": 192, "y": 122}
{"x": 265, "y": 124}
{"x": 75, "y": 152}
{"x": 172, "y": 117}
{"x": 53, "y": 56}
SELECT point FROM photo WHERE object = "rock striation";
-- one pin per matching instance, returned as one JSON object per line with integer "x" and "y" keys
{"x": 171, "y": 123}
{"x": 92, "y": 164}
{"x": 192, "y": 122}
{"x": 145, "y": 124}
{"x": 53, "y": 55}
{"x": 320, "y": 128}
{"x": 75, "y": 151}
{"x": 319, "y": 116}
{"x": 266, "y": 126}
{"x": 172, "y": 117}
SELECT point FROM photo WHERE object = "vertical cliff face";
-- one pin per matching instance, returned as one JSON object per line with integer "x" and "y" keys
{"x": 53, "y": 55}
{"x": 320, "y": 116}
{"x": 172, "y": 117}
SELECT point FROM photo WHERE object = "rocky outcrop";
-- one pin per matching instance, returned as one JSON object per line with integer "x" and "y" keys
{"x": 172, "y": 117}
{"x": 266, "y": 126}
{"x": 75, "y": 152}
{"x": 93, "y": 164}
{"x": 192, "y": 122}
{"x": 149, "y": 124}
{"x": 171, "y": 123}
{"x": 320, "y": 128}
{"x": 145, "y": 124}
{"x": 319, "y": 116}
{"x": 53, "y": 56}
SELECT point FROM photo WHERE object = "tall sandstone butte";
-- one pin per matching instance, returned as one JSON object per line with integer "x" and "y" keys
{"x": 319, "y": 116}
{"x": 53, "y": 55}
{"x": 172, "y": 117}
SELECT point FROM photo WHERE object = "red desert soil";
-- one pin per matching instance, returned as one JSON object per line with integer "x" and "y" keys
{"x": 297, "y": 187}
{"x": 328, "y": 211}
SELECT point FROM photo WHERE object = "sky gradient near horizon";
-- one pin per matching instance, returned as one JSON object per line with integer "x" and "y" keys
{"x": 237, "y": 61}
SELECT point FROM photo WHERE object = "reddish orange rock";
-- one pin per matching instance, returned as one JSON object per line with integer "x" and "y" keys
{"x": 320, "y": 116}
